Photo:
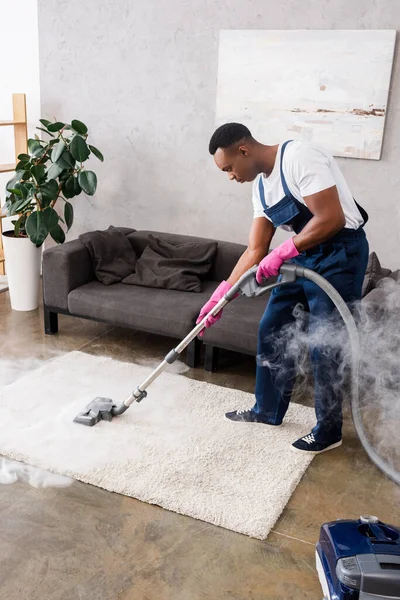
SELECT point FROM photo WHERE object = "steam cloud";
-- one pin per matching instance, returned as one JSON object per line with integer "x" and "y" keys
{"x": 378, "y": 324}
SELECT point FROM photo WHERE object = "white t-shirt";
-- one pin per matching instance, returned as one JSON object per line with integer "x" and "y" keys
{"x": 308, "y": 170}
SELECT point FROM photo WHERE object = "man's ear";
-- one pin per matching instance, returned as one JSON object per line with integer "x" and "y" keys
{"x": 244, "y": 151}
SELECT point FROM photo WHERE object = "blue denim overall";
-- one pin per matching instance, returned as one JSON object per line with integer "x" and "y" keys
{"x": 342, "y": 260}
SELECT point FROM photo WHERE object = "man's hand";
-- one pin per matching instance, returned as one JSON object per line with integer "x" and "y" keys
{"x": 219, "y": 293}
{"x": 270, "y": 265}
{"x": 261, "y": 234}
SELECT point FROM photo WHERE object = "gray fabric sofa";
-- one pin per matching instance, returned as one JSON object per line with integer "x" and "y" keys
{"x": 70, "y": 287}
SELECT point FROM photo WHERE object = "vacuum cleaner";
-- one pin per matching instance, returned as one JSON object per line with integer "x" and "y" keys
{"x": 359, "y": 560}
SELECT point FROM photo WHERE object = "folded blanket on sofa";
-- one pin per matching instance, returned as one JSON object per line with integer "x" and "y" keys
{"x": 175, "y": 267}
{"x": 112, "y": 255}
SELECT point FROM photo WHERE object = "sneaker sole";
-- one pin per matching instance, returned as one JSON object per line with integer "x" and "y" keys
{"x": 315, "y": 452}
{"x": 252, "y": 422}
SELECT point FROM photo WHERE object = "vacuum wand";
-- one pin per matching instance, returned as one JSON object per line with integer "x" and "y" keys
{"x": 105, "y": 409}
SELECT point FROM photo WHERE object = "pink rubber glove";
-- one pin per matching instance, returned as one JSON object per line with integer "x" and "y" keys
{"x": 219, "y": 293}
{"x": 270, "y": 264}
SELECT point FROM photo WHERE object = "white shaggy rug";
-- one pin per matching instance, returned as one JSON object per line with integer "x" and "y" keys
{"x": 174, "y": 449}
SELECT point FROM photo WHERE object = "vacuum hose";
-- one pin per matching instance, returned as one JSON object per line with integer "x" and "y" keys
{"x": 348, "y": 319}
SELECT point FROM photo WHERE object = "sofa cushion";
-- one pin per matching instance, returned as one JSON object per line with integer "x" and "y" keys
{"x": 373, "y": 274}
{"x": 173, "y": 266}
{"x": 112, "y": 255}
{"x": 166, "y": 312}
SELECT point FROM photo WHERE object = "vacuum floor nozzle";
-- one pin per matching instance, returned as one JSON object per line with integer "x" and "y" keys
{"x": 97, "y": 410}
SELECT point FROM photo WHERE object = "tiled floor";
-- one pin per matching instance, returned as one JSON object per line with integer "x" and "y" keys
{"x": 83, "y": 543}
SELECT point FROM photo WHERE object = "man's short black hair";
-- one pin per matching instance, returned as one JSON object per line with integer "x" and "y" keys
{"x": 227, "y": 135}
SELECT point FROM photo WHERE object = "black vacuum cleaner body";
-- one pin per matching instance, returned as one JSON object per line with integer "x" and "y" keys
{"x": 359, "y": 560}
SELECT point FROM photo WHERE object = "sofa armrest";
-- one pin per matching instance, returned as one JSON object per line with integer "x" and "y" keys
{"x": 65, "y": 267}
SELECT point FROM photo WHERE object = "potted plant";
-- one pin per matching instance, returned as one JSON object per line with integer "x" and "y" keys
{"x": 50, "y": 173}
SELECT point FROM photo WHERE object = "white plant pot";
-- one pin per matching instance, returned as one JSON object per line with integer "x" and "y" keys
{"x": 23, "y": 272}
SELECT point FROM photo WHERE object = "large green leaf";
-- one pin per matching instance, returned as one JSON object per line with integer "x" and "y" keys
{"x": 39, "y": 223}
{"x": 57, "y": 234}
{"x": 16, "y": 179}
{"x": 77, "y": 187}
{"x": 96, "y": 152}
{"x": 68, "y": 214}
{"x": 50, "y": 217}
{"x": 55, "y": 126}
{"x": 26, "y": 175}
{"x": 20, "y": 224}
{"x": 16, "y": 191}
{"x": 45, "y": 131}
{"x": 66, "y": 161}
{"x": 36, "y": 227}
{"x": 79, "y": 127}
{"x": 22, "y": 166}
{"x": 27, "y": 189}
{"x": 36, "y": 149}
{"x": 54, "y": 171}
{"x": 39, "y": 173}
{"x": 44, "y": 122}
{"x": 64, "y": 176}
{"x": 33, "y": 144}
{"x": 20, "y": 206}
{"x": 68, "y": 187}
{"x": 21, "y": 190}
{"x": 57, "y": 150}
{"x": 49, "y": 190}
{"x": 24, "y": 162}
{"x": 79, "y": 149}
{"x": 88, "y": 182}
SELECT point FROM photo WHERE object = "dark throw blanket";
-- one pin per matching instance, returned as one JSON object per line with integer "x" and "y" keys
{"x": 112, "y": 255}
{"x": 175, "y": 267}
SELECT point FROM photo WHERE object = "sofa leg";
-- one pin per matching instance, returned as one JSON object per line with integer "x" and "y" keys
{"x": 211, "y": 358}
{"x": 50, "y": 322}
{"x": 193, "y": 353}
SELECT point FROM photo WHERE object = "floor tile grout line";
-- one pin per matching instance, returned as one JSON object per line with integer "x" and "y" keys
{"x": 290, "y": 537}
{"x": 93, "y": 340}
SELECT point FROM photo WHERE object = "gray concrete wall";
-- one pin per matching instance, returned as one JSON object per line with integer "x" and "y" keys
{"x": 142, "y": 75}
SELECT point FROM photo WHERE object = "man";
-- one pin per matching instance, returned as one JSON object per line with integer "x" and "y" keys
{"x": 300, "y": 188}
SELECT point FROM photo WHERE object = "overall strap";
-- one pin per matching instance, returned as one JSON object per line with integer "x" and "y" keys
{"x": 284, "y": 184}
{"x": 363, "y": 213}
{"x": 262, "y": 195}
{"x": 283, "y": 180}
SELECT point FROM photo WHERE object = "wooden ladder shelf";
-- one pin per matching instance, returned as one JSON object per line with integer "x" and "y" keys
{"x": 19, "y": 123}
